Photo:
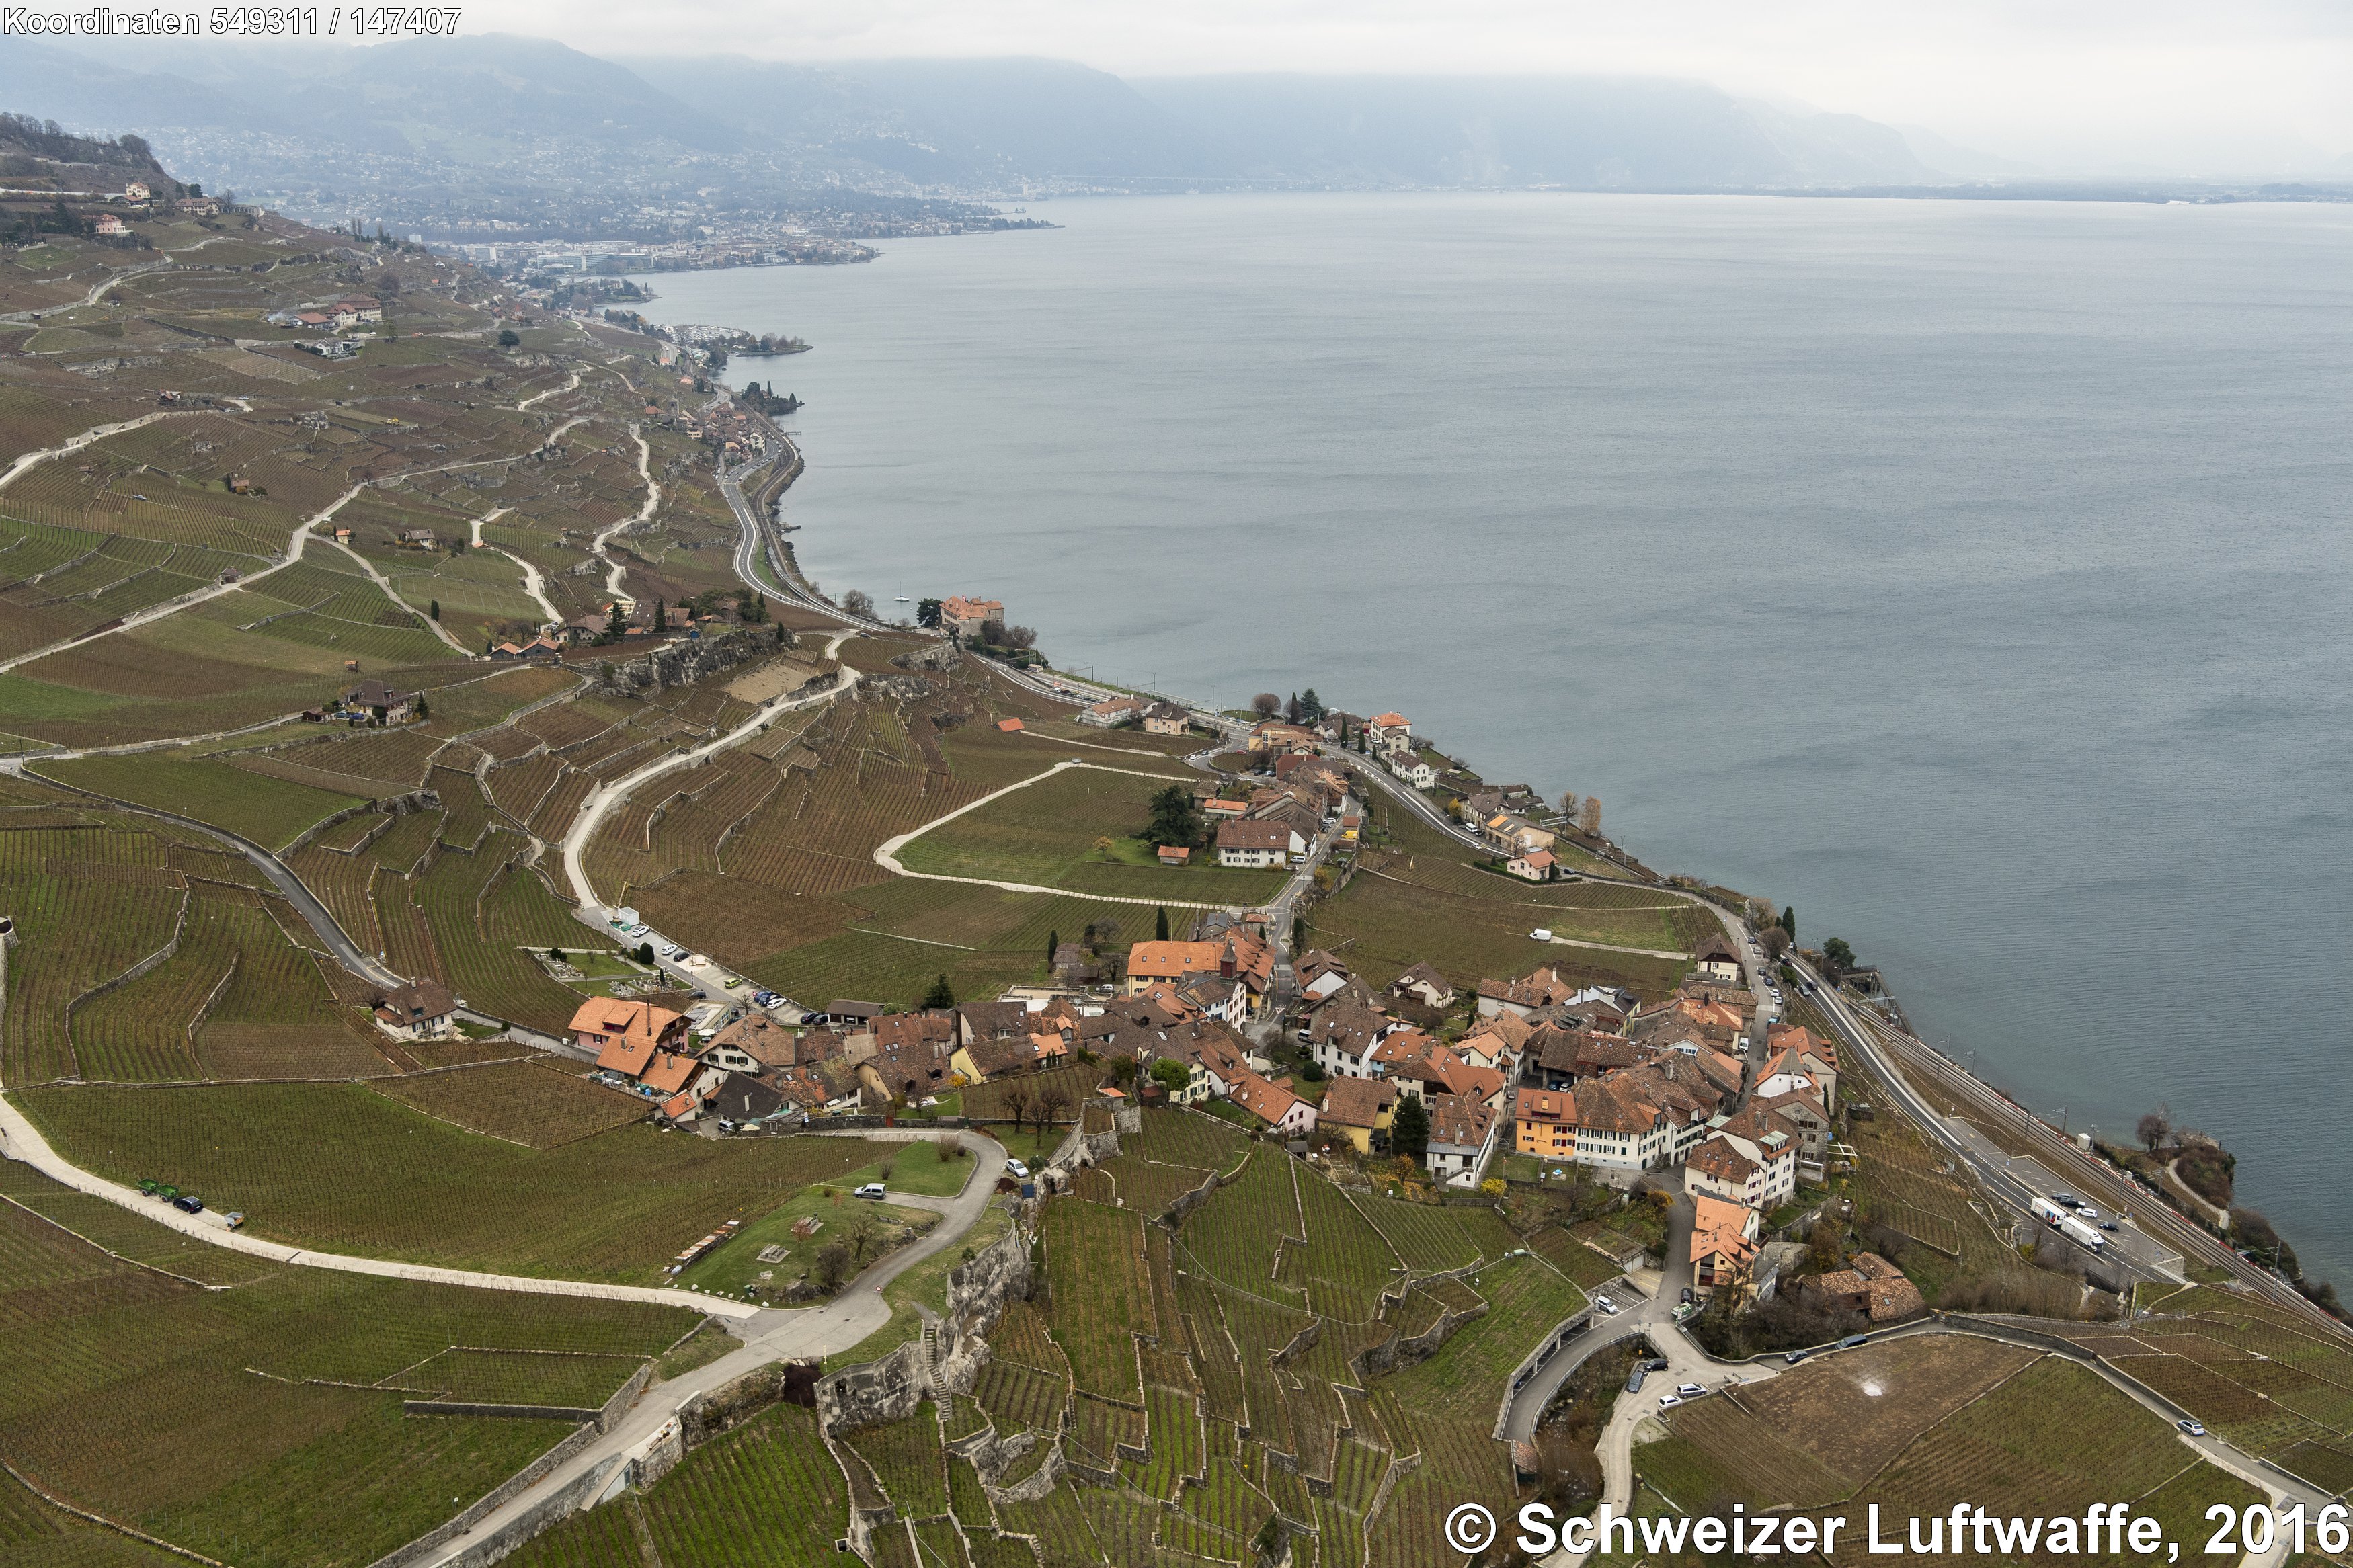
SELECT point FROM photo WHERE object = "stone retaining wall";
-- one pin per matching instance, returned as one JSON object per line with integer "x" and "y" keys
{"x": 624, "y": 1396}
{"x": 543, "y": 1514}
{"x": 573, "y": 1414}
{"x": 683, "y": 663}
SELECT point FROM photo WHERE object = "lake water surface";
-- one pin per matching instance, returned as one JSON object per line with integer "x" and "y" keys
{"x": 1972, "y": 576}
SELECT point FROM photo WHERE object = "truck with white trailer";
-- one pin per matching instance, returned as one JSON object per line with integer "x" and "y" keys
{"x": 2067, "y": 1225}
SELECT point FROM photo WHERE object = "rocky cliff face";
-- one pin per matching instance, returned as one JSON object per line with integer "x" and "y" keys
{"x": 950, "y": 1360}
{"x": 682, "y": 663}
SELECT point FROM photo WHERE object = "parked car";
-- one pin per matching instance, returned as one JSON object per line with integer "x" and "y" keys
{"x": 1016, "y": 1168}
{"x": 1606, "y": 1304}
{"x": 870, "y": 1190}
{"x": 2195, "y": 1429}
{"x": 189, "y": 1203}
{"x": 1669, "y": 1401}
{"x": 1542, "y": 933}
{"x": 1634, "y": 1379}
{"x": 1852, "y": 1340}
{"x": 1793, "y": 1357}
{"x": 1687, "y": 1296}
{"x": 1690, "y": 1390}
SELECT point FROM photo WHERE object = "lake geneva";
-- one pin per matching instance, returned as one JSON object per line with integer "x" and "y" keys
{"x": 1973, "y": 575}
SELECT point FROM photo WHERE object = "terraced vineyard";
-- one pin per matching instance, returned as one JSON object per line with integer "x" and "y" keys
{"x": 1096, "y": 1255}
{"x": 2253, "y": 1373}
{"x": 767, "y": 1492}
{"x": 192, "y": 1414}
{"x": 237, "y": 1000}
{"x": 91, "y": 898}
{"x": 1144, "y": 1350}
{"x": 2030, "y": 1435}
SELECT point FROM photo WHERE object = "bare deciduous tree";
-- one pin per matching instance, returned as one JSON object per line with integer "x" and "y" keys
{"x": 1017, "y": 1100}
{"x": 1052, "y": 1101}
{"x": 858, "y": 604}
{"x": 2153, "y": 1129}
{"x": 1589, "y": 815}
{"x": 833, "y": 1263}
{"x": 1266, "y": 704}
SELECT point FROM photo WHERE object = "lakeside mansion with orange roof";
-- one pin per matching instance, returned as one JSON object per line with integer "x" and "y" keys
{"x": 963, "y": 617}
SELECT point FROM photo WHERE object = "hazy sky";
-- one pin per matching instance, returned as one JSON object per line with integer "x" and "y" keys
{"x": 2230, "y": 87}
{"x": 2206, "y": 84}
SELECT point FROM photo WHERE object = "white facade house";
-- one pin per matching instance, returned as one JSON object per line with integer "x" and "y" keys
{"x": 1462, "y": 1136}
{"x": 1258, "y": 843}
{"x": 1416, "y": 771}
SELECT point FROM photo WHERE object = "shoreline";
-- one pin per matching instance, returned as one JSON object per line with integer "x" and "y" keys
{"x": 2024, "y": 1067}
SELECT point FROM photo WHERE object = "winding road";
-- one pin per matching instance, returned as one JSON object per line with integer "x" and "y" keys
{"x": 532, "y": 582}
{"x": 202, "y": 595}
{"x": 605, "y": 797}
{"x": 615, "y": 569}
{"x": 771, "y": 1335}
{"x": 886, "y": 854}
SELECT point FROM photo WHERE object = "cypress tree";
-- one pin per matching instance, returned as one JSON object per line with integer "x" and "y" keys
{"x": 1409, "y": 1129}
{"x": 1160, "y": 925}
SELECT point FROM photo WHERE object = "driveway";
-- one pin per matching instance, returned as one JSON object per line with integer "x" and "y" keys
{"x": 1654, "y": 1315}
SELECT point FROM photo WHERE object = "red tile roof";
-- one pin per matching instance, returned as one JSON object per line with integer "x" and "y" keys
{"x": 668, "y": 1073}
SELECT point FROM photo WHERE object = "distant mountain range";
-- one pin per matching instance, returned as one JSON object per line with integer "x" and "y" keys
{"x": 503, "y": 104}
{"x": 504, "y": 135}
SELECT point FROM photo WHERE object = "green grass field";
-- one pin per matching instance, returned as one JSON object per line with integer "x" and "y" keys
{"x": 734, "y": 1268}
{"x": 342, "y": 1168}
{"x": 1387, "y": 925}
{"x": 1046, "y": 835}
